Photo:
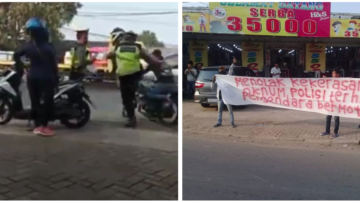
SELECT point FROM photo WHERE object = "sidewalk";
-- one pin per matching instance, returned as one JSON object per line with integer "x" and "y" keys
{"x": 265, "y": 124}
{"x": 95, "y": 163}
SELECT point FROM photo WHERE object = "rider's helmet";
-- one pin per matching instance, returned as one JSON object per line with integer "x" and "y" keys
{"x": 130, "y": 35}
{"x": 117, "y": 34}
{"x": 36, "y": 28}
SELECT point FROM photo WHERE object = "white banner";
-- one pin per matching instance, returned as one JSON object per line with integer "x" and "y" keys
{"x": 330, "y": 96}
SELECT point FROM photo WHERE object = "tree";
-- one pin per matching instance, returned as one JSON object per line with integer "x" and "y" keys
{"x": 149, "y": 39}
{"x": 13, "y": 17}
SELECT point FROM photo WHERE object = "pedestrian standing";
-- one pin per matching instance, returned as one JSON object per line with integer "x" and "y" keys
{"x": 275, "y": 71}
{"x": 222, "y": 71}
{"x": 191, "y": 74}
{"x": 335, "y": 74}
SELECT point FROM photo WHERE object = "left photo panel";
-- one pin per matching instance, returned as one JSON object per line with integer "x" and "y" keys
{"x": 89, "y": 101}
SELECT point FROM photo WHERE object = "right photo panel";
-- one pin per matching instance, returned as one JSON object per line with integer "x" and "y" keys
{"x": 271, "y": 100}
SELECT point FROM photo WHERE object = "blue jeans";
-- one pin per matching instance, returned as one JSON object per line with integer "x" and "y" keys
{"x": 220, "y": 109}
{"x": 191, "y": 89}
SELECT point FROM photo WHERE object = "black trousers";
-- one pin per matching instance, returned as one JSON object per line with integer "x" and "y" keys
{"x": 41, "y": 90}
{"x": 328, "y": 123}
{"x": 76, "y": 75}
{"x": 128, "y": 87}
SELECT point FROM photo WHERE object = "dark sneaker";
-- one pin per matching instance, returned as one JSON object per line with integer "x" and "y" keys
{"x": 324, "y": 134}
{"x": 335, "y": 135}
{"x": 131, "y": 123}
{"x": 217, "y": 125}
{"x": 233, "y": 125}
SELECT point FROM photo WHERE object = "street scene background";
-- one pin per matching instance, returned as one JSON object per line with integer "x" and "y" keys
{"x": 103, "y": 160}
{"x": 267, "y": 153}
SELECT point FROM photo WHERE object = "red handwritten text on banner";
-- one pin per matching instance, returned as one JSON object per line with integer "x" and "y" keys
{"x": 331, "y": 96}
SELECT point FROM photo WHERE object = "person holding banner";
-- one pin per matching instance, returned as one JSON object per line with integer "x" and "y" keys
{"x": 222, "y": 71}
{"x": 335, "y": 74}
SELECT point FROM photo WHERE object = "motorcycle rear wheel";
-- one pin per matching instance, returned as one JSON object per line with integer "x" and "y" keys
{"x": 85, "y": 110}
{"x": 173, "y": 120}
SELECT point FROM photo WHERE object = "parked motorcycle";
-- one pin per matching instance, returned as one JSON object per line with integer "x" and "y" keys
{"x": 71, "y": 102}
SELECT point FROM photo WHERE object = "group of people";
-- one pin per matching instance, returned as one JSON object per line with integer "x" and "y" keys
{"x": 191, "y": 74}
{"x": 42, "y": 74}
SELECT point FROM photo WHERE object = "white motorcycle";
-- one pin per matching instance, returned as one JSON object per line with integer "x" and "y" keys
{"x": 70, "y": 103}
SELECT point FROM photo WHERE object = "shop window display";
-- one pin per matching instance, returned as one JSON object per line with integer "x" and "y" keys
{"x": 346, "y": 59}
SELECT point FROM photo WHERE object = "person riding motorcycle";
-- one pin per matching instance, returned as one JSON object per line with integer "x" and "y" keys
{"x": 42, "y": 75}
{"x": 127, "y": 54}
{"x": 80, "y": 55}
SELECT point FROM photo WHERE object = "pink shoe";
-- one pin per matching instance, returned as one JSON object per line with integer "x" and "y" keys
{"x": 37, "y": 131}
{"x": 46, "y": 132}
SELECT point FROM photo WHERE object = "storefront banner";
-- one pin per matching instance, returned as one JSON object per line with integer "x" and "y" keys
{"x": 329, "y": 96}
{"x": 253, "y": 55}
{"x": 345, "y": 28}
{"x": 302, "y": 19}
{"x": 198, "y": 52}
{"x": 315, "y": 57}
{"x": 195, "y": 22}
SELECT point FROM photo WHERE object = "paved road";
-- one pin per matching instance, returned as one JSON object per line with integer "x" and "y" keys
{"x": 268, "y": 125}
{"x": 216, "y": 170}
{"x": 102, "y": 161}
{"x": 107, "y": 123}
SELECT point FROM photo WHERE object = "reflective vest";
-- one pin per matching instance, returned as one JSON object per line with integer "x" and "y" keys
{"x": 127, "y": 58}
{"x": 111, "y": 47}
{"x": 75, "y": 60}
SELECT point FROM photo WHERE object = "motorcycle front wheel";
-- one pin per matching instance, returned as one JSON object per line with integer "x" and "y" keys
{"x": 82, "y": 120}
{"x": 6, "y": 107}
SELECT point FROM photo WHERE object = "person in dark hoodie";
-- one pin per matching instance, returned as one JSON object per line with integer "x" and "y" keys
{"x": 42, "y": 75}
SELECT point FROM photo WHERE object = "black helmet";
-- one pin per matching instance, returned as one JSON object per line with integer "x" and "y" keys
{"x": 131, "y": 34}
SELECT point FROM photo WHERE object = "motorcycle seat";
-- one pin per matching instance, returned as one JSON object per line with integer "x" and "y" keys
{"x": 146, "y": 84}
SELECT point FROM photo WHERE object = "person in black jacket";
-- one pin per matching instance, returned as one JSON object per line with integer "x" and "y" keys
{"x": 42, "y": 76}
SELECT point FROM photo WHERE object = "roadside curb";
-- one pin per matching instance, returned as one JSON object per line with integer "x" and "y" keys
{"x": 322, "y": 140}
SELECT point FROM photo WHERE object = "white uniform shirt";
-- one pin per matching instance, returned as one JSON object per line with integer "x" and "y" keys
{"x": 275, "y": 70}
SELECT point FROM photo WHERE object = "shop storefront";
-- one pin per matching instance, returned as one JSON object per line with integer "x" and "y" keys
{"x": 299, "y": 37}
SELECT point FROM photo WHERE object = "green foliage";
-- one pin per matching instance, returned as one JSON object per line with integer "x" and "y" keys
{"x": 149, "y": 39}
{"x": 13, "y": 17}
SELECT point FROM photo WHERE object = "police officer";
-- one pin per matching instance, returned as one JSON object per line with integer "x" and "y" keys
{"x": 127, "y": 56}
{"x": 80, "y": 55}
{"x": 114, "y": 42}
